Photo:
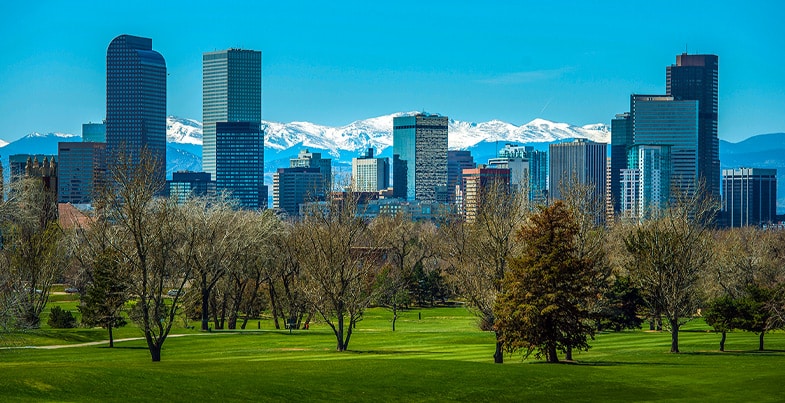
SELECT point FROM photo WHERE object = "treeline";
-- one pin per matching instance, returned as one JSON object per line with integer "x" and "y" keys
{"x": 544, "y": 279}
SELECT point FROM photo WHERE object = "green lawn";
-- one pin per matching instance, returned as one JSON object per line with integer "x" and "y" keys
{"x": 441, "y": 357}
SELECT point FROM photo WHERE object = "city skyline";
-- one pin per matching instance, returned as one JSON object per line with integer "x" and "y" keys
{"x": 328, "y": 64}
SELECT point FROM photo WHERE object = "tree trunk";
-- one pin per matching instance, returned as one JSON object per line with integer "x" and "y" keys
{"x": 722, "y": 341}
{"x": 551, "y": 354}
{"x": 155, "y": 352}
{"x": 339, "y": 334}
{"x": 205, "y": 308}
{"x": 498, "y": 355}
{"x": 760, "y": 344}
{"x": 674, "y": 335}
{"x": 395, "y": 316}
{"x": 111, "y": 339}
{"x": 568, "y": 354}
{"x": 273, "y": 304}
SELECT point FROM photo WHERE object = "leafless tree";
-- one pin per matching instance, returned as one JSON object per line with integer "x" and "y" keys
{"x": 338, "y": 264}
{"x": 668, "y": 258}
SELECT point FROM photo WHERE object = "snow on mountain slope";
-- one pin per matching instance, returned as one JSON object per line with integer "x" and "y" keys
{"x": 183, "y": 131}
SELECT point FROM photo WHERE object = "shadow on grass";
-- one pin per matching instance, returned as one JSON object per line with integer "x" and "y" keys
{"x": 392, "y": 352}
{"x": 736, "y": 352}
{"x": 124, "y": 347}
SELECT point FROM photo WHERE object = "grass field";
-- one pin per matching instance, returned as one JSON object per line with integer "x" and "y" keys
{"x": 441, "y": 357}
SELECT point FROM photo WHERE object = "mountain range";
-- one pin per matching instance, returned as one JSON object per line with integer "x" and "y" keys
{"x": 342, "y": 143}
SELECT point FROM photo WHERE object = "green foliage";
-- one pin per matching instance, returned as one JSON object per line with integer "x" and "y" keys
{"x": 61, "y": 319}
{"x": 620, "y": 306}
{"x": 543, "y": 305}
{"x": 104, "y": 298}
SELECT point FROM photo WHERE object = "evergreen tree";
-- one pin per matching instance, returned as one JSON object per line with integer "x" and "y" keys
{"x": 543, "y": 307}
{"x": 104, "y": 298}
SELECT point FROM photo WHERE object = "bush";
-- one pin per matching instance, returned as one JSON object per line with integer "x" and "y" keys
{"x": 61, "y": 319}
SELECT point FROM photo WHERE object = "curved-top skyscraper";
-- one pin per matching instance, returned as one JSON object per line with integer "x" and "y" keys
{"x": 136, "y": 100}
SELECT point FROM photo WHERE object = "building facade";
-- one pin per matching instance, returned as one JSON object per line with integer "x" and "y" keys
{"x": 82, "y": 171}
{"x": 621, "y": 141}
{"x": 478, "y": 183}
{"x": 370, "y": 174}
{"x": 749, "y": 196}
{"x": 307, "y": 159}
{"x": 94, "y": 132}
{"x": 421, "y": 141}
{"x": 537, "y": 169}
{"x": 696, "y": 78}
{"x": 185, "y": 185}
{"x": 295, "y": 186}
{"x": 136, "y": 102}
{"x": 646, "y": 182}
{"x": 580, "y": 160}
{"x": 239, "y": 151}
{"x": 233, "y": 138}
{"x": 457, "y": 161}
{"x": 661, "y": 120}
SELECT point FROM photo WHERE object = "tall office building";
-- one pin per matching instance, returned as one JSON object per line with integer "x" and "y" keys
{"x": 400, "y": 177}
{"x": 695, "y": 78}
{"x": 136, "y": 101}
{"x": 581, "y": 160}
{"x": 307, "y": 159}
{"x": 537, "y": 169}
{"x": 421, "y": 141}
{"x": 185, "y": 185}
{"x": 661, "y": 120}
{"x": 294, "y": 186}
{"x": 82, "y": 170}
{"x": 239, "y": 162}
{"x": 646, "y": 182}
{"x": 749, "y": 196}
{"x": 457, "y": 161}
{"x": 370, "y": 174}
{"x": 621, "y": 141}
{"x": 233, "y": 139}
{"x": 477, "y": 183}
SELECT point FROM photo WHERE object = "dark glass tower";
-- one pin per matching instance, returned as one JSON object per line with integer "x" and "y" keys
{"x": 621, "y": 141}
{"x": 233, "y": 150}
{"x": 136, "y": 101}
{"x": 421, "y": 141}
{"x": 695, "y": 78}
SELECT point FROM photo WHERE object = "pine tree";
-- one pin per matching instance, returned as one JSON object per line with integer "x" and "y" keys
{"x": 104, "y": 298}
{"x": 544, "y": 304}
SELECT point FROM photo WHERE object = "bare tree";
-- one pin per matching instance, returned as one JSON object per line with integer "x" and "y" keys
{"x": 151, "y": 243}
{"x": 33, "y": 249}
{"x": 407, "y": 245}
{"x": 668, "y": 257}
{"x": 478, "y": 251}
{"x": 338, "y": 264}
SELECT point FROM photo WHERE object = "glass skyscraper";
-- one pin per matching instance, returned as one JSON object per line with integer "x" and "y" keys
{"x": 233, "y": 140}
{"x": 582, "y": 160}
{"x": 661, "y": 120}
{"x": 136, "y": 101}
{"x": 421, "y": 141}
{"x": 696, "y": 78}
{"x": 749, "y": 196}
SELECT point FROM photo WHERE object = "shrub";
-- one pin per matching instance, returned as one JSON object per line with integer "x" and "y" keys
{"x": 61, "y": 319}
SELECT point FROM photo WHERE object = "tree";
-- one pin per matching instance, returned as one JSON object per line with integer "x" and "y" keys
{"x": 104, "y": 298}
{"x": 668, "y": 255}
{"x": 32, "y": 248}
{"x": 724, "y": 314}
{"x": 407, "y": 245}
{"x": 151, "y": 244}
{"x": 477, "y": 251}
{"x": 338, "y": 264}
{"x": 543, "y": 306}
{"x": 619, "y": 306}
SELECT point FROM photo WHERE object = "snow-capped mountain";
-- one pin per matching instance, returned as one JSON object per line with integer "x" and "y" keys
{"x": 183, "y": 131}
{"x": 377, "y": 132}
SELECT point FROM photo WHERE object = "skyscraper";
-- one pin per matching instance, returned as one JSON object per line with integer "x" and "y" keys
{"x": 749, "y": 196}
{"x": 136, "y": 101}
{"x": 621, "y": 141}
{"x": 295, "y": 186}
{"x": 370, "y": 174}
{"x": 307, "y": 159}
{"x": 421, "y": 141}
{"x": 457, "y": 161}
{"x": 231, "y": 92}
{"x": 695, "y": 78}
{"x": 82, "y": 169}
{"x": 233, "y": 139}
{"x": 646, "y": 182}
{"x": 582, "y": 160}
{"x": 478, "y": 182}
{"x": 661, "y": 120}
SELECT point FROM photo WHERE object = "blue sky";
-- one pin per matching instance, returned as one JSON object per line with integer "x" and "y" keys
{"x": 335, "y": 62}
